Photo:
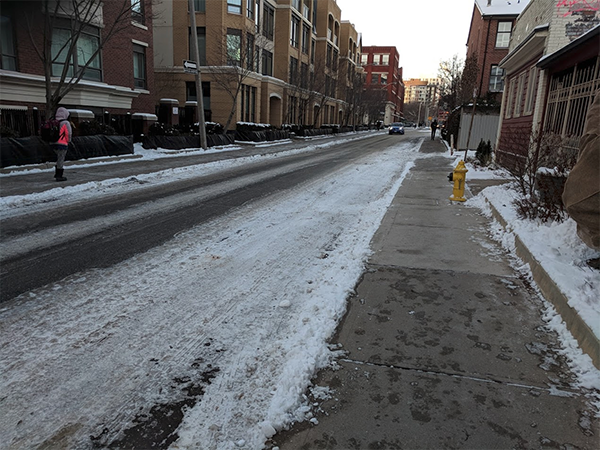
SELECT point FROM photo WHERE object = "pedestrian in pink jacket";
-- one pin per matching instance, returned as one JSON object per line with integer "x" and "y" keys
{"x": 60, "y": 147}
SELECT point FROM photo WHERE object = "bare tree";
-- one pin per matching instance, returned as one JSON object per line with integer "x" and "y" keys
{"x": 231, "y": 61}
{"x": 450, "y": 73}
{"x": 299, "y": 80}
{"x": 374, "y": 100}
{"x": 310, "y": 85}
{"x": 413, "y": 111}
{"x": 352, "y": 92}
{"x": 58, "y": 50}
{"x": 468, "y": 80}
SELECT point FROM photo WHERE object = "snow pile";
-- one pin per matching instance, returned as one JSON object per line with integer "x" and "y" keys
{"x": 247, "y": 298}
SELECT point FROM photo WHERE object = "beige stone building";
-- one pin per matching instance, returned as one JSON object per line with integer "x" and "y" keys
{"x": 352, "y": 75}
{"x": 263, "y": 61}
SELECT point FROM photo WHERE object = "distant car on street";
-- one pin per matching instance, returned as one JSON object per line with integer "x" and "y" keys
{"x": 396, "y": 128}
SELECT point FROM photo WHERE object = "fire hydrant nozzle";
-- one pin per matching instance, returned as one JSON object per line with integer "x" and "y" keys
{"x": 459, "y": 176}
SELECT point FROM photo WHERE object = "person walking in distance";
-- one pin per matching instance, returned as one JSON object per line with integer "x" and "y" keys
{"x": 434, "y": 126}
{"x": 60, "y": 147}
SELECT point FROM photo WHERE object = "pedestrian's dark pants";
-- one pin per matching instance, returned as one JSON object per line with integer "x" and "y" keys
{"x": 61, "y": 153}
{"x": 433, "y": 134}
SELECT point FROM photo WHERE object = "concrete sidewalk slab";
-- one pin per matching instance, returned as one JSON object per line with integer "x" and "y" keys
{"x": 444, "y": 344}
{"x": 447, "y": 321}
{"x": 424, "y": 229}
{"x": 378, "y": 407}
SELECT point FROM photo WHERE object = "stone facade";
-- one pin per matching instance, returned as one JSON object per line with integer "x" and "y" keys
{"x": 291, "y": 76}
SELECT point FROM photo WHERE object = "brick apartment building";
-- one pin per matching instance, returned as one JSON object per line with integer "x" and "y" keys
{"x": 383, "y": 71}
{"x": 489, "y": 37}
{"x": 287, "y": 55}
{"x": 116, "y": 85}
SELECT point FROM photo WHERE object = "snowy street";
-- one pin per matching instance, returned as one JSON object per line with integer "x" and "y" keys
{"x": 217, "y": 331}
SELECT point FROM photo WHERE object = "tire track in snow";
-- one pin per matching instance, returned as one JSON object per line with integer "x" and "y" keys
{"x": 110, "y": 325}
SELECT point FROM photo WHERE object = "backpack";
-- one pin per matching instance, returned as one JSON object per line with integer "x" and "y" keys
{"x": 50, "y": 131}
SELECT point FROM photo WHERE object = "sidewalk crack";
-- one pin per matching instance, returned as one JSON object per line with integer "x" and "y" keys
{"x": 553, "y": 390}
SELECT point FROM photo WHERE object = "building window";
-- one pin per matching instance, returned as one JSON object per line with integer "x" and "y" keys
{"x": 313, "y": 50}
{"x": 190, "y": 93}
{"x": 200, "y": 6}
{"x": 9, "y": 55}
{"x": 510, "y": 98}
{"x": 234, "y": 46}
{"x": 295, "y": 31}
{"x": 248, "y": 103}
{"x": 267, "y": 63}
{"x": 503, "y": 35}
{"x": 250, "y": 9}
{"x": 314, "y": 16}
{"x": 306, "y": 10}
{"x": 519, "y": 97}
{"x": 139, "y": 66}
{"x": 250, "y": 52}
{"x": 334, "y": 63}
{"x": 201, "y": 33}
{"x": 305, "y": 38}
{"x": 85, "y": 57}
{"x": 292, "y": 108}
{"x": 234, "y": 6}
{"x": 385, "y": 60}
{"x": 496, "y": 79}
{"x": 268, "y": 21}
{"x": 296, "y": 4}
{"x": 375, "y": 78}
{"x": 531, "y": 91}
{"x": 293, "y": 70}
{"x": 364, "y": 59}
{"x": 137, "y": 10}
{"x": 304, "y": 75}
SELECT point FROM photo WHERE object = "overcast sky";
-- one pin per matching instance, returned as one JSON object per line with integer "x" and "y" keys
{"x": 424, "y": 32}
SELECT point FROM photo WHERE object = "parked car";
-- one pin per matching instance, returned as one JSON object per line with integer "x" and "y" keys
{"x": 396, "y": 128}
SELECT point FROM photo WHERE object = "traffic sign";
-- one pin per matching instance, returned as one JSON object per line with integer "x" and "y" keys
{"x": 190, "y": 66}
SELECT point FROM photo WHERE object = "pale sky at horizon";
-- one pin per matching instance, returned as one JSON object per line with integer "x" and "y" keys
{"x": 424, "y": 33}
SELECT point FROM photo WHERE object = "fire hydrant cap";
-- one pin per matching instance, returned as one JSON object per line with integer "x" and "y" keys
{"x": 461, "y": 167}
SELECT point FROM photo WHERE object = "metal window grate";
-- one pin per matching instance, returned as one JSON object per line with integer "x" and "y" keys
{"x": 571, "y": 93}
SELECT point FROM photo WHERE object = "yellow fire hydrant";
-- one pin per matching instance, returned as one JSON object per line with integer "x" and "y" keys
{"x": 459, "y": 176}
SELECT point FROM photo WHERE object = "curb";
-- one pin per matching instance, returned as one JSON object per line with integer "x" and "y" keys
{"x": 587, "y": 340}
{"x": 50, "y": 165}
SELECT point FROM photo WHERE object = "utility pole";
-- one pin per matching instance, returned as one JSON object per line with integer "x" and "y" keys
{"x": 199, "y": 93}
{"x": 472, "y": 119}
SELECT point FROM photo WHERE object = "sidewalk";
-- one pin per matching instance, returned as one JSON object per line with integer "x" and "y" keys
{"x": 445, "y": 346}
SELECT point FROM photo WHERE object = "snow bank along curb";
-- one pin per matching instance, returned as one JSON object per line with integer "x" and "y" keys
{"x": 51, "y": 164}
{"x": 580, "y": 330}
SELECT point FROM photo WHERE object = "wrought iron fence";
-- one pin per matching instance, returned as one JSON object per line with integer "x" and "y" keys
{"x": 21, "y": 122}
{"x": 570, "y": 95}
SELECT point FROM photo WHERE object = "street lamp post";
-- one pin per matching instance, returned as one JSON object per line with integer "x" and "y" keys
{"x": 199, "y": 93}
